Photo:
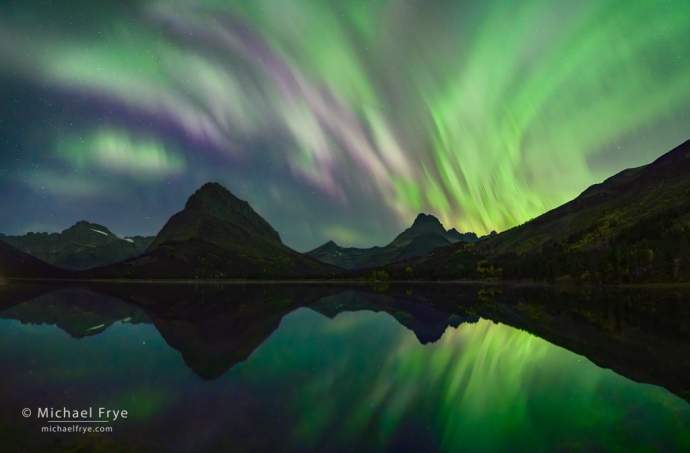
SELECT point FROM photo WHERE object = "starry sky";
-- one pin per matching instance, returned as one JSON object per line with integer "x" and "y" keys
{"x": 334, "y": 120}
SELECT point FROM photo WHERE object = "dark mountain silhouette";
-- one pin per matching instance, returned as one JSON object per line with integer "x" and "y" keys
{"x": 468, "y": 237}
{"x": 632, "y": 228}
{"x": 345, "y": 257}
{"x": 17, "y": 264}
{"x": 422, "y": 245}
{"x": 214, "y": 202}
{"x": 601, "y": 212}
{"x": 216, "y": 235}
{"x": 81, "y": 246}
{"x": 425, "y": 234}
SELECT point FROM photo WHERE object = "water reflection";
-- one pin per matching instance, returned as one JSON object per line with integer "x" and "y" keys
{"x": 310, "y": 368}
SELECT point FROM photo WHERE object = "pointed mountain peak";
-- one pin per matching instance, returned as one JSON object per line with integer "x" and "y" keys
{"x": 212, "y": 195}
{"x": 328, "y": 246}
{"x": 426, "y": 221}
{"x": 218, "y": 206}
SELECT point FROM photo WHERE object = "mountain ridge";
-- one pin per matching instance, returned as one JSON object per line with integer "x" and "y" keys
{"x": 634, "y": 227}
{"x": 83, "y": 245}
{"x": 216, "y": 235}
{"x": 424, "y": 235}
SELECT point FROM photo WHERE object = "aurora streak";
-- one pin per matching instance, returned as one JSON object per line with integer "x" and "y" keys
{"x": 348, "y": 118}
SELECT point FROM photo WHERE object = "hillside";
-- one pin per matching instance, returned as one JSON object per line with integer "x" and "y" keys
{"x": 216, "y": 235}
{"x": 17, "y": 264}
{"x": 632, "y": 228}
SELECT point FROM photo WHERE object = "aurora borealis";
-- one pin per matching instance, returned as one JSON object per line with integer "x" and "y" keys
{"x": 334, "y": 120}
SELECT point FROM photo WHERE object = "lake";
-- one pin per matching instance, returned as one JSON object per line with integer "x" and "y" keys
{"x": 328, "y": 368}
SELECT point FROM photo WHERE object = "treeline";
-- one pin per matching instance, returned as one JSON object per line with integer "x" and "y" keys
{"x": 654, "y": 250}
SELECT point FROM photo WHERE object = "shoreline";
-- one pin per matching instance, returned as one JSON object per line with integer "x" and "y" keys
{"x": 344, "y": 282}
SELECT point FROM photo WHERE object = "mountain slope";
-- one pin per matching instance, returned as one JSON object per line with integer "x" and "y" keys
{"x": 422, "y": 245}
{"x": 425, "y": 234}
{"x": 603, "y": 210}
{"x": 82, "y": 246}
{"x": 17, "y": 264}
{"x": 632, "y": 228}
{"x": 216, "y": 235}
{"x": 215, "y": 201}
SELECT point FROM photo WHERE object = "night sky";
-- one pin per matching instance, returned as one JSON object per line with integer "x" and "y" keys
{"x": 334, "y": 119}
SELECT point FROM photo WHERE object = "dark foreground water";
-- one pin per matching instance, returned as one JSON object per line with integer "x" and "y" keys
{"x": 308, "y": 368}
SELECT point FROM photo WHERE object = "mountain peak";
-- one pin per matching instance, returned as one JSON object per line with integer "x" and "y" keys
{"x": 213, "y": 195}
{"x": 218, "y": 206}
{"x": 426, "y": 221}
{"x": 455, "y": 235}
{"x": 84, "y": 226}
{"x": 217, "y": 235}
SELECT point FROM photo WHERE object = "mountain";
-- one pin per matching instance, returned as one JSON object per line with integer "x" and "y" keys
{"x": 632, "y": 228}
{"x": 467, "y": 237}
{"x": 17, "y": 264}
{"x": 425, "y": 234}
{"x": 216, "y": 235}
{"x": 81, "y": 246}
{"x": 345, "y": 257}
{"x": 602, "y": 211}
{"x": 422, "y": 245}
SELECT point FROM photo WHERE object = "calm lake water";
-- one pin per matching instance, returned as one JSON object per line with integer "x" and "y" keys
{"x": 235, "y": 368}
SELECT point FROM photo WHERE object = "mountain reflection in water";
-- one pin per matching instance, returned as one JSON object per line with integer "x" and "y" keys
{"x": 327, "y": 368}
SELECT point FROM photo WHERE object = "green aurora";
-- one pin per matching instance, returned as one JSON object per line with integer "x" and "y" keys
{"x": 485, "y": 114}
